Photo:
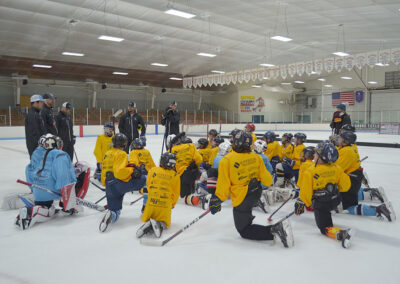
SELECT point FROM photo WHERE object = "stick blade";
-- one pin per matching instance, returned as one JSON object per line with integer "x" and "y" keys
{"x": 151, "y": 242}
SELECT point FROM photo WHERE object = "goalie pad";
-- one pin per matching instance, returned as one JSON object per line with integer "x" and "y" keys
{"x": 280, "y": 175}
{"x": 13, "y": 201}
{"x": 27, "y": 217}
{"x": 82, "y": 172}
{"x": 68, "y": 196}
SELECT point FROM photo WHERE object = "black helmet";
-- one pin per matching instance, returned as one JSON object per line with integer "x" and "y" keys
{"x": 179, "y": 139}
{"x": 327, "y": 152}
{"x": 138, "y": 143}
{"x": 218, "y": 140}
{"x": 308, "y": 152}
{"x": 233, "y": 132}
{"x": 119, "y": 140}
{"x": 187, "y": 140}
{"x": 348, "y": 137}
{"x": 213, "y": 132}
{"x": 300, "y": 136}
{"x": 202, "y": 143}
{"x": 348, "y": 127}
{"x": 270, "y": 136}
{"x": 287, "y": 136}
{"x": 242, "y": 142}
{"x": 168, "y": 161}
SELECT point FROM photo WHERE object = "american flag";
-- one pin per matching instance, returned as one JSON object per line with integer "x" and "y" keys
{"x": 343, "y": 97}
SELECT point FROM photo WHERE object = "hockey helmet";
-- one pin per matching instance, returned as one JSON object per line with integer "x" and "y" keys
{"x": 260, "y": 146}
{"x": 308, "y": 152}
{"x": 242, "y": 142}
{"x": 300, "y": 136}
{"x": 251, "y": 126}
{"x": 224, "y": 148}
{"x": 50, "y": 142}
{"x": 202, "y": 143}
{"x": 348, "y": 137}
{"x": 119, "y": 140}
{"x": 270, "y": 136}
{"x": 213, "y": 132}
{"x": 168, "y": 161}
{"x": 348, "y": 127}
{"x": 327, "y": 152}
{"x": 287, "y": 137}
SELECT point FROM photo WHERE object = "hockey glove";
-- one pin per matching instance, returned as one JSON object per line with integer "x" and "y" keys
{"x": 137, "y": 173}
{"x": 73, "y": 140}
{"x": 288, "y": 162}
{"x": 97, "y": 174}
{"x": 215, "y": 204}
{"x": 204, "y": 166}
{"x": 143, "y": 169}
{"x": 299, "y": 207}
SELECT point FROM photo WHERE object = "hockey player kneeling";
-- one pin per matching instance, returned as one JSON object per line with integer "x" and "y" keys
{"x": 51, "y": 168}
{"x": 163, "y": 186}
{"x": 322, "y": 185}
{"x": 239, "y": 175}
{"x": 119, "y": 178}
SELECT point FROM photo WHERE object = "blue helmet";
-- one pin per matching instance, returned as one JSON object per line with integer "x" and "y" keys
{"x": 109, "y": 125}
{"x": 327, "y": 152}
{"x": 138, "y": 143}
{"x": 270, "y": 135}
{"x": 348, "y": 137}
{"x": 300, "y": 136}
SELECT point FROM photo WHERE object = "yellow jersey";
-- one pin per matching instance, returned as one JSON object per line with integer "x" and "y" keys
{"x": 235, "y": 170}
{"x": 116, "y": 161}
{"x": 185, "y": 155}
{"x": 205, "y": 154}
{"x": 163, "y": 187}
{"x": 349, "y": 159}
{"x": 308, "y": 164}
{"x": 286, "y": 151}
{"x": 141, "y": 157}
{"x": 297, "y": 155}
{"x": 213, "y": 154}
{"x": 103, "y": 144}
{"x": 273, "y": 149}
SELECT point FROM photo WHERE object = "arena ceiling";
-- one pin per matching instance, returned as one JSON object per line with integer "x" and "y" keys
{"x": 237, "y": 32}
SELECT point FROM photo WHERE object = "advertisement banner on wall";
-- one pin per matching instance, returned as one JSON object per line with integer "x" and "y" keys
{"x": 247, "y": 103}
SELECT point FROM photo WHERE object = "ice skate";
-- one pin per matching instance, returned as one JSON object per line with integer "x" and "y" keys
{"x": 157, "y": 228}
{"x": 345, "y": 237}
{"x": 386, "y": 210}
{"x": 144, "y": 229}
{"x": 109, "y": 217}
{"x": 284, "y": 231}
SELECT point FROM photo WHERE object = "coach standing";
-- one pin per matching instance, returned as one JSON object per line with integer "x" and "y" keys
{"x": 65, "y": 129}
{"x": 170, "y": 119}
{"x": 130, "y": 124}
{"x": 340, "y": 118}
{"x": 34, "y": 127}
{"x": 47, "y": 114}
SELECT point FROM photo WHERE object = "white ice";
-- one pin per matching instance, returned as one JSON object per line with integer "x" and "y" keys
{"x": 71, "y": 249}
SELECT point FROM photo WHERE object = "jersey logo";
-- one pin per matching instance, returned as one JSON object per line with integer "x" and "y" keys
{"x": 236, "y": 165}
{"x": 154, "y": 174}
{"x": 316, "y": 176}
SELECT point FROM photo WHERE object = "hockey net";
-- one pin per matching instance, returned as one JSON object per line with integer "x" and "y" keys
{"x": 389, "y": 128}
{"x": 195, "y": 129}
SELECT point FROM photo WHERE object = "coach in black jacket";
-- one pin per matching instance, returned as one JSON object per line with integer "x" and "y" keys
{"x": 170, "y": 119}
{"x": 66, "y": 129}
{"x": 130, "y": 124}
{"x": 47, "y": 114}
{"x": 34, "y": 127}
{"x": 340, "y": 118}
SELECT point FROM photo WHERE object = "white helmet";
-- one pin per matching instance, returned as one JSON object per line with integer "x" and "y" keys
{"x": 224, "y": 148}
{"x": 169, "y": 140}
{"x": 50, "y": 141}
{"x": 260, "y": 146}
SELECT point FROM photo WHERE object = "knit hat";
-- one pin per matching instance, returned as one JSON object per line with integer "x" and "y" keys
{"x": 341, "y": 106}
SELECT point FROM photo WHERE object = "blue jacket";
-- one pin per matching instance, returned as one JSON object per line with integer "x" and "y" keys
{"x": 216, "y": 161}
{"x": 57, "y": 172}
{"x": 266, "y": 162}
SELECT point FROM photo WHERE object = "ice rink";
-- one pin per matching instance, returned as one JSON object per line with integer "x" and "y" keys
{"x": 71, "y": 249}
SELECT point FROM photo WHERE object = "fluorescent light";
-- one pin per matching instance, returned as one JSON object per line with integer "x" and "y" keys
{"x": 256, "y": 86}
{"x": 178, "y": 13}
{"x": 120, "y": 73}
{"x": 72, "y": 53}
{"x": 341, "y": 53}
{"x": 281, "y": 38}
{"x": 267, "y": 65}
{"x": 111, "y": 38}
{"x": 299, "y": 82}
{"x": 313, "y": 72}
{"x": 372, "y": 82}
{"x": 328, "y": 86}
{"x": 346, "y": 78}
{"x": 381, "y": 64}
{"x": 175, "y": 78}
{"x": 159, "y": 64}
{"x": 41, "y": 66}
{"x": 219, "y": 72}
{"x": 322, "y": 79}
{"x": 206, "y": 54}
{"x": 265, "y": 78}
{"x": 286, "y": 84}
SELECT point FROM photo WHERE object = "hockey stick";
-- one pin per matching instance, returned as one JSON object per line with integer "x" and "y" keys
{"x": 136, "y": 200}
{"x": 100, "y": 199}
{"x": 273, "y": 213}
{"x": 114, "y": 116}
{"x": 286, "y": 217}
{"x": 363, "y": 159}
{"x": 152, "y": 242}
{"x": 98, "y": 186}
{"x": 76, "y": 156}
{"x": 78, "y": 200}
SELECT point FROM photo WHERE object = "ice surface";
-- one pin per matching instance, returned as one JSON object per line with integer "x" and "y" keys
{"x": 71, "y": 249}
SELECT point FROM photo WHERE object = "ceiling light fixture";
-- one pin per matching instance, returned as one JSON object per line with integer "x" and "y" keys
{"x": 72, "y": 53}
{"x": 328, "y": 86}
{"x": 175, "y": 78}
{"x": 267, "y": 65}
{"x": 218, "y": 72}
{"x": 346, "y": 78}
{"x": 120, "y": 73}
{"x": 206, "y": 54}
{"x": 265, "y": 78}
{"x": 256, "y": 86}
{"x": 341, "y": 53}
{"x": 42, "y": 66}
{"x": 313, "y": 72}
{"x": 159, "y": 64}
{"x": 322, "y": 79}
{"x": 179, "y": 13}
{"x": 299, "y": 82}
{"x": 281, "y": 38}
{"x": 286, "y": 84}
{"x": 381, "y": 64}
{"x": 372, "y": 82}
{"x": 111, "y": 38}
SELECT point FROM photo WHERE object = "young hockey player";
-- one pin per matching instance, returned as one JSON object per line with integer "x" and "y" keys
{"x": 203, "y": 149}
{"x": 260, "y": 147}
{"x": 163, "y": 186}
{"x": 323, "y": 184}
{"x": 50, "y": 168}
{"x": 250, "y": 128}
{"x": 286, "y": 146}
{"x": 119, "y": 178}
{"x": 139, "y": 156}
{"x": 103, "y": 144}
{"x": 273, "y": 148}
{"x": 211, "y": 136}
{"x": 306, "y": 163}
{"x": 215, "y": 148}
{"x": 240, "y": 173}
{"x": 349, "y": 161}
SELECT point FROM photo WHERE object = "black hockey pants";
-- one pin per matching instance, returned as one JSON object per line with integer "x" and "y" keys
{"x": 350, "y": 198}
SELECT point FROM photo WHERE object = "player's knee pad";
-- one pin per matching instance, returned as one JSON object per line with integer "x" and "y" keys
{"x": 283, "y": 193}
{"x": 41, "y": 214}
